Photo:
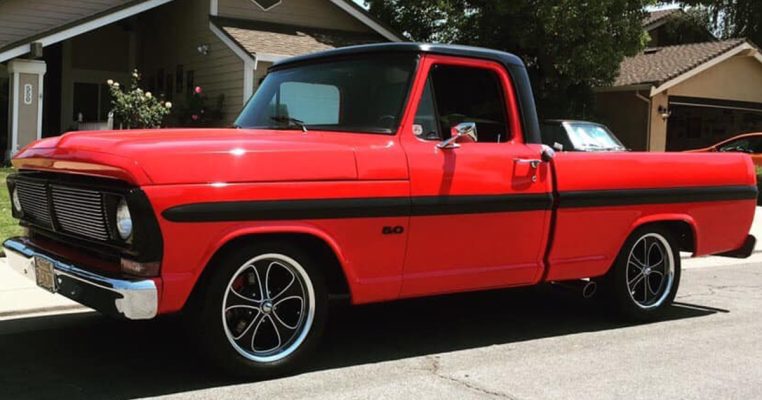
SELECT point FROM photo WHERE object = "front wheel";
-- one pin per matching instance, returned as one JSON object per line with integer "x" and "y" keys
{"x": 646, "y": 275}
{"x": 263, "y": 310}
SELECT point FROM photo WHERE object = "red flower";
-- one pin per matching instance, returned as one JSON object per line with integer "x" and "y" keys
{"x": 197, "y": 90}
{"x": 194, "y": 117}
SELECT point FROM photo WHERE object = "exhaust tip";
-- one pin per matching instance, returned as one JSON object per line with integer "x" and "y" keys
{"x": 588, "y": 291}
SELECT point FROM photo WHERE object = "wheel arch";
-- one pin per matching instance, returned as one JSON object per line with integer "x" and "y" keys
{"x": 316, "y": 242}
{"x": 682, "y": 226}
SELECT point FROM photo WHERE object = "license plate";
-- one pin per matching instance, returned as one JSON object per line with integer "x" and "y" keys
{"x": 46, "y": 278}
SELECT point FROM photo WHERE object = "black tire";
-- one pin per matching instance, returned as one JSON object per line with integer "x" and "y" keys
{"x": 629, "y": 290}
{"x": 214, "y": 329}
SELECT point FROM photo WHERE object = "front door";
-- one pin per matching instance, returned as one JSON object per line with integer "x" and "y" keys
{"x": 481, "y": 210}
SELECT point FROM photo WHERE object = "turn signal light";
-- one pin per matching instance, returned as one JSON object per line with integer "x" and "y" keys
{"x": 140, "y": 269}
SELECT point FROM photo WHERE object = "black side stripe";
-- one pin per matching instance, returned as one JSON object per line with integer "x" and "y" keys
{"x": 270, "y": 210}
{"x": 600, "y": 198}
{"x": 447, "y": 205}
{"x": 355, "y": 208}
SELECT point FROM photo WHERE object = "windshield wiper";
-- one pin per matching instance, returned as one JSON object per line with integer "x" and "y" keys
{"x": 291, "y": 121}
{"x": 587, "y": 146}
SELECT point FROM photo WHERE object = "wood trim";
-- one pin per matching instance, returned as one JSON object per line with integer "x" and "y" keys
{"x": 249, "y": 61}
{"x": 367, "y": 19}
{"x": 715, "y": 103}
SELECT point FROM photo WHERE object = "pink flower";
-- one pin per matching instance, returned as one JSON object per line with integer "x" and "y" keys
{"x": 197, "y": 90}
{"x": 194, "y": 117}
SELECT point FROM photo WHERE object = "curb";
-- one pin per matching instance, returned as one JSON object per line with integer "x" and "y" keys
{"x": 687, "y": 256}
{"x": 42, "y": 310}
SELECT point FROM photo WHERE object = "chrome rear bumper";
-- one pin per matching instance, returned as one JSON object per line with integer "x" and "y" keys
{"x": 131, "y": 299}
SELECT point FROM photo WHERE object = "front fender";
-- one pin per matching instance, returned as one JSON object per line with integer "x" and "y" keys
{"x": 280, "y": 228}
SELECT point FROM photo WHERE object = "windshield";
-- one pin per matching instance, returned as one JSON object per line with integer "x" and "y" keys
{"x": 586, "y": 136}
{"x": 362, "y": 94}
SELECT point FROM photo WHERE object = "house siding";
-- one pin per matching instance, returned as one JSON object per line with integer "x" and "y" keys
{"x": 308, "y": 13}
{"x": 171, "y": 34}
{"x": 626, "y": 116}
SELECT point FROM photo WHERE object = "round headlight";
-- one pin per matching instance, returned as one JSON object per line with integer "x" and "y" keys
{"x": 123, "y": 220}
{"x": 16, "y": 201}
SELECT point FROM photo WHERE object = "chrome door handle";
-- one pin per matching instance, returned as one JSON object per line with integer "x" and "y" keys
{"x": 532, "y": 163}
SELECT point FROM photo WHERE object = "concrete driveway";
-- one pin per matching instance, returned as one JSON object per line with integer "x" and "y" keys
{"x": 535, "y": 343}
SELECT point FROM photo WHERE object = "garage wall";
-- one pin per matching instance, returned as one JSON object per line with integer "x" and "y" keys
{"x": 739, "y": 79}
{"x": 626, "y": 116}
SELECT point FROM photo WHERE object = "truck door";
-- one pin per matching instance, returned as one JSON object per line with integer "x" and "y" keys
{"x": 481, "y": 207}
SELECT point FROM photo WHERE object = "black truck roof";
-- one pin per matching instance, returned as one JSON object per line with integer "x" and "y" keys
{"x": 408, "y": 47}
{"x": 512, "y": 63}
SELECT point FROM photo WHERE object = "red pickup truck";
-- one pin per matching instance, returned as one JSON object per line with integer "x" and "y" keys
{"x": 374, "y": 173}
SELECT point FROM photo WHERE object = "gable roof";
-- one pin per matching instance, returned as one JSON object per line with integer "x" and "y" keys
{"x": 23, "y": 22}
{"x": 659, "y": 65}
{"x": 288, "y": 40}
{"x": 368, "y": 19}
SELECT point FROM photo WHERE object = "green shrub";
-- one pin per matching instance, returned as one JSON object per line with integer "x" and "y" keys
{"x": 135, "y": 108}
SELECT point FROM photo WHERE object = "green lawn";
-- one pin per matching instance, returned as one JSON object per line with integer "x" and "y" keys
{"x": 8, "y": 226}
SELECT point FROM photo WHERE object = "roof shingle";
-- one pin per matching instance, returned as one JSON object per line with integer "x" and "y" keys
{"x": 661, "y": 64}
{"x": 287, "y": 40}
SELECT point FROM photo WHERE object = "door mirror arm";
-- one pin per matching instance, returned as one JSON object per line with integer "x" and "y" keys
{"x": 463, "y": 129}
{"x": 547, "y": 154}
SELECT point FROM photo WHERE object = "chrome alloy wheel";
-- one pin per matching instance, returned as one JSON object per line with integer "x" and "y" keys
{"x": 650, "y": 271}
{"x": 268, "y": 308}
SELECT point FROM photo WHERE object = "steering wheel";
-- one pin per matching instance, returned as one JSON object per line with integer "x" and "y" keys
{"x": 387, "y": 121}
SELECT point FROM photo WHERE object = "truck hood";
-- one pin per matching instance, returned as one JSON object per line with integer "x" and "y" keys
{"x": 180, "y": 156}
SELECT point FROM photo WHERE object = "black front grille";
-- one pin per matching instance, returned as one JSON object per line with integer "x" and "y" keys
{"x": 34, "y": 202}
{"x": 80, "y": 212}
{"x": 74, "y": 211}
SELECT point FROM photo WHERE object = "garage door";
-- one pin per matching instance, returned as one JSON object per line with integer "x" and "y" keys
{"x": 699, "y": 122}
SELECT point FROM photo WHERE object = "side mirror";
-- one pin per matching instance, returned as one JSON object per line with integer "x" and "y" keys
{"x": 547, "y": 154}
{"x": 462, "y": 130}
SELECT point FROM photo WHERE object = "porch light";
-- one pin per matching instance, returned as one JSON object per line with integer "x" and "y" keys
{"x": 664, "y": 112}
{"x": 203, "y": 49}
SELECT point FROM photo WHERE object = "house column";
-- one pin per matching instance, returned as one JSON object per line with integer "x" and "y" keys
{"x": 658, "y": 131}
{"x": 25, "y": 116}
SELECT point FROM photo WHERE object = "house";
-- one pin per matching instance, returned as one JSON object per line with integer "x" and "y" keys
{"x": 56, "y": 56}
{"x": 686, "y": 90}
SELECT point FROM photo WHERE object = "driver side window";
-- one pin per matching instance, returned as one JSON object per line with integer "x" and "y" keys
{"x": 453, "y": 95}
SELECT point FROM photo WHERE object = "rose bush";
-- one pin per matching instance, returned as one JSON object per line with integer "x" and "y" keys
{"x": 135, "y": 108}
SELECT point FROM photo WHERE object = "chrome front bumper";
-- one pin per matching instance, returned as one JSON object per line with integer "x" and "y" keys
{"x": 131, "y": 299}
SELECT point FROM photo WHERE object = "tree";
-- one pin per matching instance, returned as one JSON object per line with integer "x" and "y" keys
{"x": 569, "y": 46}
{"x": 732, "y": 18}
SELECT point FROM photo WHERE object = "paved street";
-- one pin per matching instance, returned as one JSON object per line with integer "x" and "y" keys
{"x": 518, "y": 344}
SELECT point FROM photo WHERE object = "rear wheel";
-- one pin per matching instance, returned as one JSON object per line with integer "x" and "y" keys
{"x": 262, "y": 311}
{"x": 646, "y": 274}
